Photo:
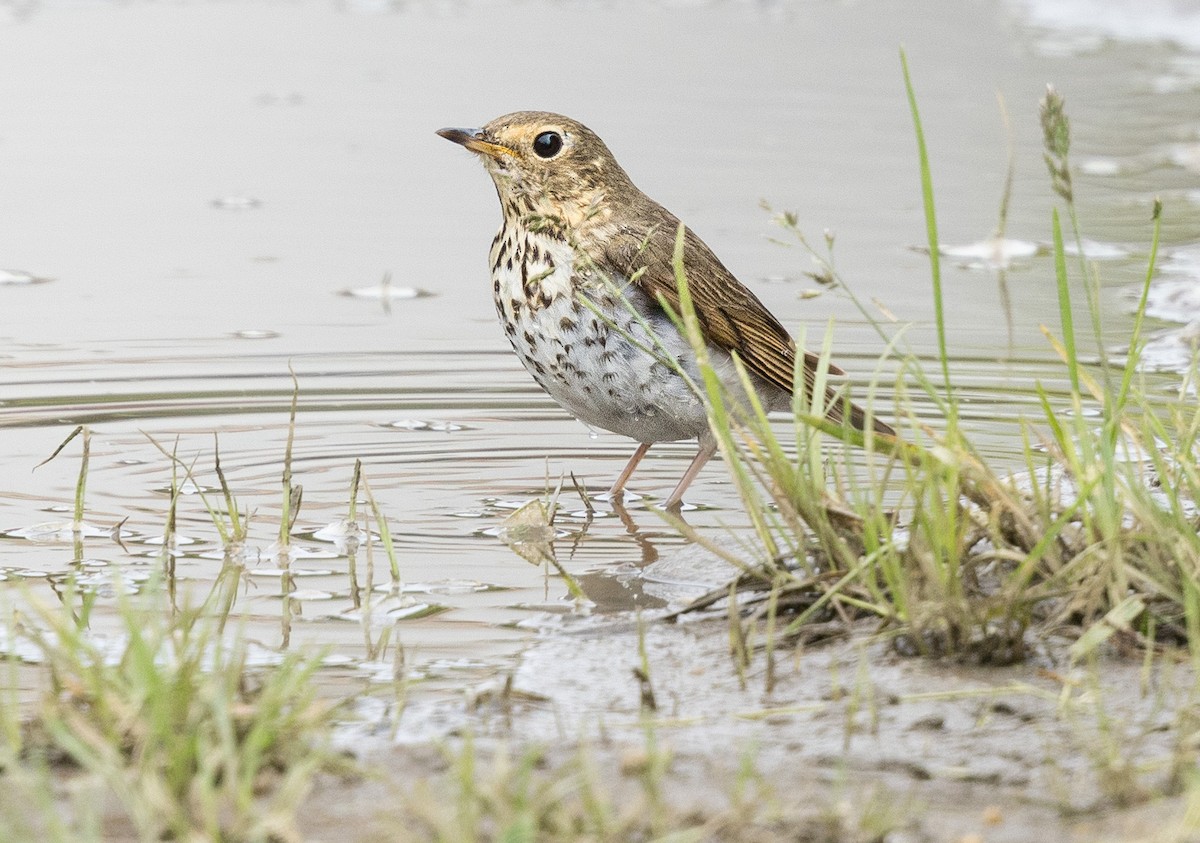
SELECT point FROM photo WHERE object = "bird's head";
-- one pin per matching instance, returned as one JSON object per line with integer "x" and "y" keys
{"x": 546, "y": 165}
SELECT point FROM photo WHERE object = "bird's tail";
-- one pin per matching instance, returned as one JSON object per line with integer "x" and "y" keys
{"x": 838, "y": 404}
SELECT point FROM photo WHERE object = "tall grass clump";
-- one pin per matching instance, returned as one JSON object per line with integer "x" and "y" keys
{"x": 173, "y": 718}
{"x": 1097, "y": 534}
{"x": 180, "y": 725}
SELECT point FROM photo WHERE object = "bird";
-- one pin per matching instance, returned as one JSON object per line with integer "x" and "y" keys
{"x": 584, "y": 285}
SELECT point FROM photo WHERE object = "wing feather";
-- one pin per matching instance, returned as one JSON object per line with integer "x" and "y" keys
{"x": 730, "y": 315}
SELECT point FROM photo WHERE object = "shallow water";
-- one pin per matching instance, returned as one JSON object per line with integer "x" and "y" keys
{"x": 203, "y": 182}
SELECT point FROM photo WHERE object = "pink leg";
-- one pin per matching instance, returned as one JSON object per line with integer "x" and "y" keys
{"x": 619, "y": 485}
{"x": 707, "y": 449}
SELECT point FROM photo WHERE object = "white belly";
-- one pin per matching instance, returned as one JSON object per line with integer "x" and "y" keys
{"x": 594, "y": 370}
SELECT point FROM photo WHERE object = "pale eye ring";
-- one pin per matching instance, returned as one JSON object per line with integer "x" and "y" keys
{"x": 547, "y": 144}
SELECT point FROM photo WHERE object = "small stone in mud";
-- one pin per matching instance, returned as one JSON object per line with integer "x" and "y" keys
{"x": 912, "y": 768}
{"x": 1002, "y": 707}
{"x": 931, "y": 723}
{"x": 635, "y": 761}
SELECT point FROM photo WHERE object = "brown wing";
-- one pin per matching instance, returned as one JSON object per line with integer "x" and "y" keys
{"x": 730, "y": 316}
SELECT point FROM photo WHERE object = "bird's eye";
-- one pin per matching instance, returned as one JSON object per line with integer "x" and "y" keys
{"x": 547, "y": 144}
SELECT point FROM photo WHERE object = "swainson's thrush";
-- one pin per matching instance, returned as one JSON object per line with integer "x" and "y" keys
{"x": 576, "y": 227}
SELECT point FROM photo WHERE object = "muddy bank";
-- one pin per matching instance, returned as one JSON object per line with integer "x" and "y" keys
{"x": 1036, "y": 751}
{"x": 798, "y": 802}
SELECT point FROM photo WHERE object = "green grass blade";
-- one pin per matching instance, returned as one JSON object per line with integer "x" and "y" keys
{"x": 931, "y": 232}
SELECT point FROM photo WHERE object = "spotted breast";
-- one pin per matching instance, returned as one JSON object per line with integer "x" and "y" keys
{"x": 593, "y": 360}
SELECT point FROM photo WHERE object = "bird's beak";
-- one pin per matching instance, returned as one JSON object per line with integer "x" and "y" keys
{"x": 473, "y": 139}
